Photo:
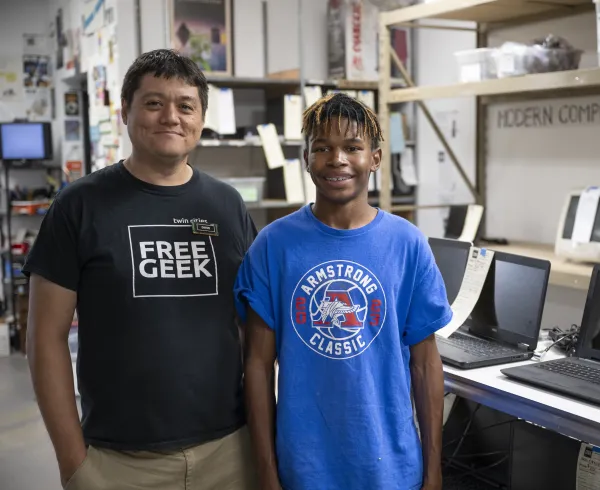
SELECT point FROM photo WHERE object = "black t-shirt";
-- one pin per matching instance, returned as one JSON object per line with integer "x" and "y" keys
{"x": 159, "y": 361}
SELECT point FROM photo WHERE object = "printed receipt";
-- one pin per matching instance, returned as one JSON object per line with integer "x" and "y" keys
{"x": 588, "y": 468}
{"x": 476, "y": 271}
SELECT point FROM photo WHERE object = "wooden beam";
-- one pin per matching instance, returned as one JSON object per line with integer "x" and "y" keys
{"x": 385, "y": 69}
{"x": 435, "y": 127}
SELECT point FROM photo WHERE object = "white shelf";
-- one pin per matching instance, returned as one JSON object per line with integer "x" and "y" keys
{"x": 566, "y": 81}
{"x": 480, "y": 11}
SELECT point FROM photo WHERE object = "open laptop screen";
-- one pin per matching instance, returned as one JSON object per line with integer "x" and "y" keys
{"x": 451, "y": 258}
{"x": 512, "y": 300}
{"x": 589, "y": 342}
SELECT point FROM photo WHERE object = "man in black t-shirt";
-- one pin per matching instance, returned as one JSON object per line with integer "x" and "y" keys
{"x": 147, "y": 251}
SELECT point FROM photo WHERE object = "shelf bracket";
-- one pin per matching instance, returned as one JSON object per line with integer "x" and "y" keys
{"x": 435, "y": 127}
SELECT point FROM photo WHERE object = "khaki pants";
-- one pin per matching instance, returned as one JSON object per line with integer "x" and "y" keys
{"x": 225, "y": 464}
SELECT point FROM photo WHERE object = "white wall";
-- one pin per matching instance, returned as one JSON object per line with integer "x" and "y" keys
{"x": 440, "y": 182}
{"x": 533, "y": 168}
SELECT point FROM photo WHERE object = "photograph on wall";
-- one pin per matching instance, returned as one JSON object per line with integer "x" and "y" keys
{"x": 72, "y": 130}
{"x": 71, "y": 104}
{"x": 201, "y": 30}
{"x": 36, "y": 71}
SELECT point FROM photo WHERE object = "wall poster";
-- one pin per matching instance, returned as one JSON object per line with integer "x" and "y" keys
{"x": 201, "y": 30}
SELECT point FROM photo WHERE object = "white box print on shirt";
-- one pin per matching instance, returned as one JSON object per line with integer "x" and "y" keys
{"x": 171, "y": 261}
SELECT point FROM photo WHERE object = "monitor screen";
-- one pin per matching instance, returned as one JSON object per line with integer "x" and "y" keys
{"x": 24, "y": 141}
{"x": 570, "y": 221}
{"x": 513, "y": 297}
{"x": 451, "y": 258}
{"x": 589, "y": 346}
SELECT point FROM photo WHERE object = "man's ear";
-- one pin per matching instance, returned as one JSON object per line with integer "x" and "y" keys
{"x": 306, "y": 159}
{"x": 124, "y": 112}
{"x": 375, "y": 160}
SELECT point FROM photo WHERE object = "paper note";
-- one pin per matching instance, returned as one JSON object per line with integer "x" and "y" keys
{"x": 211, "y": 119}
{"x": 312, "y": 93}
{"x": 271, "y": 145}
{"x": 397, "y": 143}
{"x": 292, "y": 179}
{"x": 472, "y": 221}
{"x": 310, "y": 191}
{"x": 586, "y": 215}
{"x": 407, "y": 167}
{"x": 292, "y": 110}
{"x": 226, "y": 111}
{"x": 367, "y": 97}
{"x": 476, "y": 272}
{"x": 588, "y": 468}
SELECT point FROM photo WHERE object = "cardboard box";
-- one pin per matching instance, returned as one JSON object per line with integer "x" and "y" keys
{"x": 353, "y": 27}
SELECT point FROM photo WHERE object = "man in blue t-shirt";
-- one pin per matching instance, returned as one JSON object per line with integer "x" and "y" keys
{"x": 346, "y": 298}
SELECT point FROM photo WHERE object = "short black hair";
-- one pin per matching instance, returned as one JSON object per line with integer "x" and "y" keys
{"x": 164, "y": 63}
{"x": 338, "y": 106}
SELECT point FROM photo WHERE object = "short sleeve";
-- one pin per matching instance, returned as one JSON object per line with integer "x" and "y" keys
{"x": 429, "y": 309}
{"x": 54, "y": 254}
{"x": 252, "y": 283}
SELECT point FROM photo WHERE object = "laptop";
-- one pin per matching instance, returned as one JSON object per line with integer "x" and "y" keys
{"x": 577, "y": 376}
{"x": 451, "y": 257}
{"x": 505, "y": 324}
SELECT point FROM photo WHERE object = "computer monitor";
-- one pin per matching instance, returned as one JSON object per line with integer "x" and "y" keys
{"x": 512, "y": 299}
{"x": 451, "y": 257}
{"x": 22, "y": 141}
{"x": 564, "y": 246}
{"x": 588, "y": 343}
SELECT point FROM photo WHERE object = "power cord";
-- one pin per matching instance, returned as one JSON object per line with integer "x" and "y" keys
{"x": 565, "y": 341}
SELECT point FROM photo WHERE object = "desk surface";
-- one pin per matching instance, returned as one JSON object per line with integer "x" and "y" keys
{"x": 562, "y": 273}
{"x": 490, "y": 387}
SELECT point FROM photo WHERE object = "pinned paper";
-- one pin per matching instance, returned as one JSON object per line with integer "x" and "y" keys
{"x": 367, "y": 97}
{"x": 292, "y": 179}
{"x": 271, "y": 145}
{"x": 471, "y": 225}
{"x": 407, "y": 167}
{"x": 292, "y": 110}
{"x": 397, "y": 143}
{"x": 312, "y": 93}
{"x": 586, "y": 215}
{"x": 476, "y": 272}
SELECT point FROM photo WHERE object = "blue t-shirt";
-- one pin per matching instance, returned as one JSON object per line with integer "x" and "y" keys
{"x": 345, "y": 306}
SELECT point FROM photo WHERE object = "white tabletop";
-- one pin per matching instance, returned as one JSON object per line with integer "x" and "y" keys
{"x": 490, "y": 387}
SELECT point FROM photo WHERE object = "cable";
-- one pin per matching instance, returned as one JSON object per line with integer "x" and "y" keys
{"x": 565, "y": 341}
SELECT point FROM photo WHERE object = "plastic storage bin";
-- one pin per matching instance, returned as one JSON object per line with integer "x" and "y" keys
{"x": 476, "y": 65}
{"x": 250, "y": 188}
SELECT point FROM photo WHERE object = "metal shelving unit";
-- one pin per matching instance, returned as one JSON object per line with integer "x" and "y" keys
{"x": 488, "y": 16}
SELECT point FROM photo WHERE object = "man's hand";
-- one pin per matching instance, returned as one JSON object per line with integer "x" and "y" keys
{"x": 51, "y": 309}
{"x": 428, "y": 386}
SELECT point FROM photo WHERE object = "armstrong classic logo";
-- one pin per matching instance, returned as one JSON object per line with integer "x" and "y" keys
{"x": 338, "y": 309}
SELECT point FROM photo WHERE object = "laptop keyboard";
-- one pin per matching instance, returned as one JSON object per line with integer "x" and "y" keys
{"x": 572, "y": 370}
{"x": 479, "y": 347}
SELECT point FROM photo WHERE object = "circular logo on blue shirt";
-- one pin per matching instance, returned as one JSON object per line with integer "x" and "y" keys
{"x": 338, "y": 309}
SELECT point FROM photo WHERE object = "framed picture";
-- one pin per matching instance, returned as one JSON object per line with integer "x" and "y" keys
{"x": 201, "y": 30}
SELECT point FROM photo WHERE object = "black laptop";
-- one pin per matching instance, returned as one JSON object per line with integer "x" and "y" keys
{"x": 504, "y": 325}
{"x": 451, "y": 257}
{"x": 577, "y": 376}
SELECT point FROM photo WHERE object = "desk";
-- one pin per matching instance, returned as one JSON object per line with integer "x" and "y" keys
{"x": 489, "y": 387}
{"x": 562, "y": 273}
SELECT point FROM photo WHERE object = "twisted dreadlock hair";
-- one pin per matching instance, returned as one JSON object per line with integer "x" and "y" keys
{"x": 339, "y": 106}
